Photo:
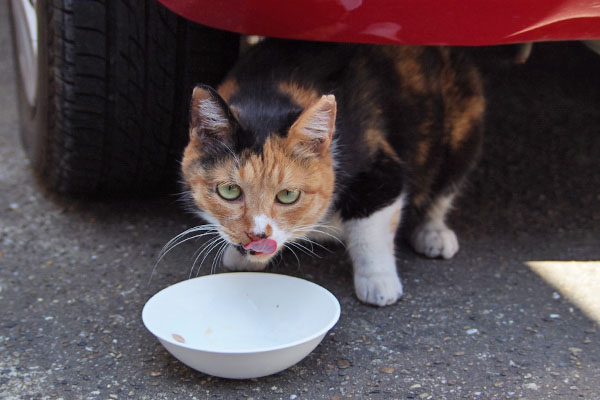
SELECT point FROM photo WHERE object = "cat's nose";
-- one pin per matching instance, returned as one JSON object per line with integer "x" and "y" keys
{"x": 254, "y": 236}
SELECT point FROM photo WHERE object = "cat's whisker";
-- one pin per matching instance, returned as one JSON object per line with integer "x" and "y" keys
{"x": 320, "y": 227}
{"x": 211, "y": 248}
{"x": 205, "y": 248}
{"x": 198, "y": 252}
{"x": 181, "y": 195}
{"x": 293, "y": 252}
{"x": 279, "y": 258}
{"x": 222, "y": 254}
{"x": 324, "y": 226}
{"x": 191, "y": 272}
{"x": 323, "y": 233}
{"x": 174, "y": 239}
{"x": 235, "y": 157}
{"x": 219, "y": 255}
{"x": 205, "y": 227}
{"x": 180, "y": 239}
{"x": 312, "y": 242}
{"x": 220, "y": 261}
{"x": 221, "y": 249}
{"x": 304, "y": 249}
{"x": 165, "y": 251}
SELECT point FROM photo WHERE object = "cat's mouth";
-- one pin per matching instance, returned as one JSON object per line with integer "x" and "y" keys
{"x": 258, "y": 247}
{"x": 245, "y": 252}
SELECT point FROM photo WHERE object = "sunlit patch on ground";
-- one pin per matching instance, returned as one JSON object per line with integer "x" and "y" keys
{"x": 578, "y": 281}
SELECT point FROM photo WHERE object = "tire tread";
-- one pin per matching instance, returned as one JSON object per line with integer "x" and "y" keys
{"x": 120, "y": 76}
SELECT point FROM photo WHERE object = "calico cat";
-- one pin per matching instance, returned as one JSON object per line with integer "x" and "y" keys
{"x": 304, "y": 136}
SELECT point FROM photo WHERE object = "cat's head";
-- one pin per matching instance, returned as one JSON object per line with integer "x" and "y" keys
{"x": 260, "y": 190}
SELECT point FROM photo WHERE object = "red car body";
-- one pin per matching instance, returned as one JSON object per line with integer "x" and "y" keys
{"x": 452, "y": 22}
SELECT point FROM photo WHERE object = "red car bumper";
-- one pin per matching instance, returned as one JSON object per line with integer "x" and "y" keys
{"x": 455, "y": 22}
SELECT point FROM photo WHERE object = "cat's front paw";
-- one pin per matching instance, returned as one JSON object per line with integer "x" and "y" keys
{"x": 378, "y": 289}
{"x": 435, "y": 241}
{"x": 233, "y": 260}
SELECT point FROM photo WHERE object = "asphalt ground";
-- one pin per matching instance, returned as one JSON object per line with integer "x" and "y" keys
{"x": 74, "y": 275}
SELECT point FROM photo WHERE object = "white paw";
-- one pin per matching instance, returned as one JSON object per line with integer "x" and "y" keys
{"x": 435, "y": 241}
{"x": 234, "y": 261}
{"x": 378, "y": 289}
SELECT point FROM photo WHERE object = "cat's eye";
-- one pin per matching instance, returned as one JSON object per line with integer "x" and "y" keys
{"x": 287, "y": 196}
{"x": 229, "y": 192}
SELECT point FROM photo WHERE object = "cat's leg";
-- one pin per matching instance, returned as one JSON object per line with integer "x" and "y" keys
{"x": 233, "y": 260}
{"x": 370, "y": 244}
{"x": 432, "y": 237}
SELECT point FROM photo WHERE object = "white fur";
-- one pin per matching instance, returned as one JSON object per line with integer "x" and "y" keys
{"x": 260, "y": 227}
{"x": 319, "y": 124}
{"x": 212, "y": 114}
{"x": 370, "y": 244}
{"x": 432, "y": 237}
{"x": 334, "y": 151}
{"x": 234, "y": 261}
{"x": 260, "y": 224}
{"x": 205, "y": 215}
{"x": 440, "y": 208}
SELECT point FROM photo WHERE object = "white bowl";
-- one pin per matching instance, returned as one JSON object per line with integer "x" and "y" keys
{"x": 241, "y": 325}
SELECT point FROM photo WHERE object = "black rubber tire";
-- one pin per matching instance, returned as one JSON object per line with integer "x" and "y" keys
{"x": 115, "y": 78}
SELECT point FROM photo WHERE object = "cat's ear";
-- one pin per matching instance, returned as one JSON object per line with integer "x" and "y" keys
{"x": 211, "y": 121}
{"x": 311, "y": 134}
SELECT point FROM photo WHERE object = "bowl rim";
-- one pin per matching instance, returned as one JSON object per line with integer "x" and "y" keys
{"x": 320, "y": 332}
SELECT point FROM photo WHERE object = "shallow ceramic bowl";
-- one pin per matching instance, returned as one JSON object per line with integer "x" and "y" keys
{"x": 241, "y": 325}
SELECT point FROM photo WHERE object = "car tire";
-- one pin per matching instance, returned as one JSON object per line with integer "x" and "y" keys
{"x": 104, "y": 108}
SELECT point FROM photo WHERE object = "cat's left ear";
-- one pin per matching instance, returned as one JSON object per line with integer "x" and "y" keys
{"x": 211, "y": 121}
{"x": 312, "y": 132}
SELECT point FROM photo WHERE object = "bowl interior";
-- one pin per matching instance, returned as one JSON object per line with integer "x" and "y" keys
{"x": 241, "y": 312}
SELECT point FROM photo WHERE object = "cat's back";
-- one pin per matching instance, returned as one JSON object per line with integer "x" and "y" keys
{"x": 309, "y": 63}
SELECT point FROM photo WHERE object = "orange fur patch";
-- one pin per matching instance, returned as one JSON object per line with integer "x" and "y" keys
{"x": 420, "y": 198}
{"x": 422, "y": 152}
{"x": 462, "y": 124}
{"x": 190, "y": 155}
{"x": 408, "y": 67}
{"x": 376, "y": 141}
{"x": 394, "y": 222}
{"x": 228, "y": 89}
{"x": 424, "y": 143}
{"x": 461, "y": 113}
{"x": 304, "y": 97}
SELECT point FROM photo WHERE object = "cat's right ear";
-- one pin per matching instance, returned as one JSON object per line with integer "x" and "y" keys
{"x": 312, "y": 132}
{"x": 211, "y": 122}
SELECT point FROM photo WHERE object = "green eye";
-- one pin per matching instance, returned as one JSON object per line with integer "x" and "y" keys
{"x": 287, "y": 196}
{"x": 229, "y": 192}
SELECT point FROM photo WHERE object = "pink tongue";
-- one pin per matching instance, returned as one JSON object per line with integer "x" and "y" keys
{"x": 265, "y": 246}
